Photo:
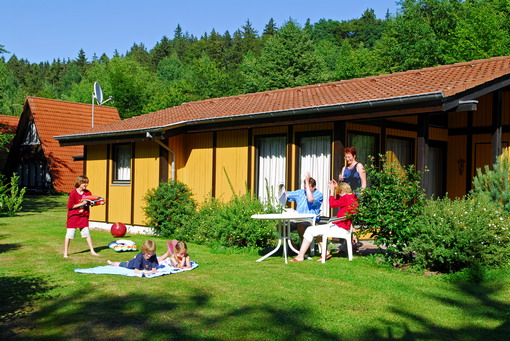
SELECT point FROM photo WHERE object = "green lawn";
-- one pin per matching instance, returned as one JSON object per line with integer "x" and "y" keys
{"x": 230, "y": 296}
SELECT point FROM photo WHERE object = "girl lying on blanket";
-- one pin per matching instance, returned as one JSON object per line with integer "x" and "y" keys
{"x": 176, "y": 255}
{"x": 145, "y": 262}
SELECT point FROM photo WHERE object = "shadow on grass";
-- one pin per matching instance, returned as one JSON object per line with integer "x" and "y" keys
{"x": 40, "y": 203}
{"x": 16, "y": 297}
{"x": 476, "y": 305}
{"x": 9, "y": 247}
{"x": 193, "y": 317}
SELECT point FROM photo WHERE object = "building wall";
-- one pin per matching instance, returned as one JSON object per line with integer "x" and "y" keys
{"x": 144, "y": 177}
{"x": 231, "y": 160}
{"x": 201, "y": 159}
{"x": 193, "y": 161}
{"x": 95, "y": 168}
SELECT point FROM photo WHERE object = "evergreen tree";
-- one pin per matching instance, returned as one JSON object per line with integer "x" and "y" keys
{"x": 270, "y": 29}
{"x": 288, "y": 59}
{"x": 250, "y": 40}
{"x": 162, "y": 50}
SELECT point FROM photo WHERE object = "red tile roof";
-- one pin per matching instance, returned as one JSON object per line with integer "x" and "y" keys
{"x": 444, "y": 81}
{"x": 10, "y": 122}
{"x": 55, "y": 117}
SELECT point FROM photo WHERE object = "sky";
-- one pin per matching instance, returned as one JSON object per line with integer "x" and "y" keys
{"x": 44, "y": 30}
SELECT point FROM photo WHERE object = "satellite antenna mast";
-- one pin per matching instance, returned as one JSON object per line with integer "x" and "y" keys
{"x": 98, "y": 95}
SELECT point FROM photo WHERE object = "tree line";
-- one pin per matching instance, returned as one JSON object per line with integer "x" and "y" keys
{"x": 184, "y": 68}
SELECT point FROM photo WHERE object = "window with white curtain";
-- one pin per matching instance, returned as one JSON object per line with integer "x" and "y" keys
{"x": 271, "y": 166}
{"x": 399, "y": 150}
{"x": 122, "y": 163}
{"x": 316, "y": 159}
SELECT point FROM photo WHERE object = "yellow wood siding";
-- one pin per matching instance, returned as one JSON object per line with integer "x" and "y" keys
{"x": 232, "y": 157}
{"x": 270, "y": 131}
{"x": 438, "y": 134}
{"x": 400, "y": 133}
{"x": 482, "y": 117}
{"x": 363, "y": 128}
{"x": 119, "y": 205}
{"x": 313, "y": 127}
{"x": 457, "y": 119}
{"x": 506, "y": 107}
{"x": 406, "y": 119}
{"x": 146, "y": 176}
{"x": 96, "y": 172}
{"x": 456, "y": 169}
{"x": 194, "y": 158}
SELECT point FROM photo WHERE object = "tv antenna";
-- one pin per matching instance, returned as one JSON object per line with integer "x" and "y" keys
{"x": 98, "y": 95}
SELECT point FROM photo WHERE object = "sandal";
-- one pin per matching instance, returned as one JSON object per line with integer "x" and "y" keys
{"x": 328, "y": 256}
{"x": 296, "y": 260}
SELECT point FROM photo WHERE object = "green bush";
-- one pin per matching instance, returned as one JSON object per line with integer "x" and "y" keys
{"x": 169, "y": 207}
{"x": 11, "y": 196}
{"x": 494, "y": 183}
{"x": 230, "y": 224}
{"x": 452, "y": 235}
{"x": 388, "y": 205}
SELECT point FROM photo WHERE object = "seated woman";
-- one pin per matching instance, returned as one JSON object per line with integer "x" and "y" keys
{"x": 340, "y": 195}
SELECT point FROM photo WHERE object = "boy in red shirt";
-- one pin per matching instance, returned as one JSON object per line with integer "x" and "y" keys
{"x": 78, "y": 212}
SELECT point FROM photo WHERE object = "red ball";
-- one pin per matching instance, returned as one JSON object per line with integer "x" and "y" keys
{"x": 118, "y": 230}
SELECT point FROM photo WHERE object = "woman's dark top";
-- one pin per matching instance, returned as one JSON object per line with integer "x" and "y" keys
{"x": 351, "y": 176}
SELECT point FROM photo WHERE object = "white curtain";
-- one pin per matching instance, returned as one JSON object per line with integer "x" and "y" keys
{"x": 271, "y": 166}
{"x": 316, "y": 159}
{"x": 123, "y": 162}
{"x": 401, "y": 149}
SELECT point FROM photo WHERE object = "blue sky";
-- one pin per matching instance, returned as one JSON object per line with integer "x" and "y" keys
{"x": 40, "y": 30}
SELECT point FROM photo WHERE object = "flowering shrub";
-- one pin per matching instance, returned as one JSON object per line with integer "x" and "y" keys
{"x": 452, "y": 235}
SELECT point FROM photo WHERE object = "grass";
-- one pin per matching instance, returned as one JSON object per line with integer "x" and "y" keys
{"x": 230, "y": 296}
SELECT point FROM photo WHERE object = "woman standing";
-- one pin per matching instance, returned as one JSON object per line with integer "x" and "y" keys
{"x": 354, "y": 172}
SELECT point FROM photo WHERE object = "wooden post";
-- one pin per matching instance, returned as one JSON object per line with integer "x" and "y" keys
{"x": 423, "y": 148}
{"x": 497, "y": 128}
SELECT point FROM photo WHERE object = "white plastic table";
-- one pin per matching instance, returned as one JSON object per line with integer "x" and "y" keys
{"x": 284, "y": 229}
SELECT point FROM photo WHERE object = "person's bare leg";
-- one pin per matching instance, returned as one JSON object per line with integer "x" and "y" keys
{"x": 92, "y": 251}
{"x": 113, "y": 263}
{"x": 67, "y": 241}
{"x": 304, "y": 246}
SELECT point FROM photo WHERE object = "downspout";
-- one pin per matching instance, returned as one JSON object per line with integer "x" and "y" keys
{"x": 173, "y": 156}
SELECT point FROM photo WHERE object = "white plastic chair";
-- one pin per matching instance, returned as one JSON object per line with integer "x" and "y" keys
{"x": 337, "y": 233}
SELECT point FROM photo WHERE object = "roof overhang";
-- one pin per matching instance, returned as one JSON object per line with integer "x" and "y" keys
{"x": 338, "y": 111}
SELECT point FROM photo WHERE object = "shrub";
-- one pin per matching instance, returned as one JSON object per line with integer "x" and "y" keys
{"x": 494, "y": 183}
{"x": 230, "y": 224}
{"x": 170, "y": 207}
{"x": 453, "y": 235}
{"x": 11, "y": 196}
{"x": 389, "y": 205}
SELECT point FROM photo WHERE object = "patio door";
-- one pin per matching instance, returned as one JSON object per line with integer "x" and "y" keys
{"x": 271, "y": 166}
{"x": 316, "y": 158}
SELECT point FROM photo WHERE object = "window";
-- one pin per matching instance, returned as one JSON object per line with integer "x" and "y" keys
{"x": 271, "y": 159}
{"x": 31, "y": 136}
{"x": 316, "y": 159}
{"x": 399, "y": 150}
{"x": 122, "y": 163}
{"x": 365, "y": 144}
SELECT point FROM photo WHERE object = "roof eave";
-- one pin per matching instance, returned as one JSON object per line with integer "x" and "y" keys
{"x": 142, "y": 133}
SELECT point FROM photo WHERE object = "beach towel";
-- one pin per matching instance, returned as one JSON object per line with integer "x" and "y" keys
{"x": 163, "y": 269}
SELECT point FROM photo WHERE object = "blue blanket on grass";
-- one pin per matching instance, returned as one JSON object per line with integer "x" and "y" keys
{"x": 117, "y": 270}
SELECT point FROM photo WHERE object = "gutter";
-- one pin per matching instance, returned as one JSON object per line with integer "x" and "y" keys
{"x": 370, "y": 104}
